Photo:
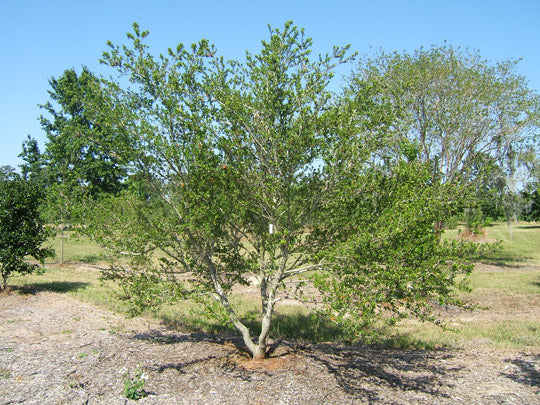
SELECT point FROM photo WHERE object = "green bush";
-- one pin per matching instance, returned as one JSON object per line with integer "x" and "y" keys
{"x": 21, "y": 229}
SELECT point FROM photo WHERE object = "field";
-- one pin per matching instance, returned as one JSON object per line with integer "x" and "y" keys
{"x": 488, "y": 355}
{"x": 520, "y": 244}
{"x": 502, "y": 289}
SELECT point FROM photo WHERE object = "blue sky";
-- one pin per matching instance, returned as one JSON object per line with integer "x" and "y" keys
{"x": 42, "y": 38}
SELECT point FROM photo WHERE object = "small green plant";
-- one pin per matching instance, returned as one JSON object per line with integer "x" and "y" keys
{"x": 474, "y": 220}
{"x": 134, "y": 384}
{"x": 82, "y": 355}
{"x": 452, "y": 222}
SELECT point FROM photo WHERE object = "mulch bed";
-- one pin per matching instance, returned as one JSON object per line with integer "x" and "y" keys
{"x": 57, "y": 350}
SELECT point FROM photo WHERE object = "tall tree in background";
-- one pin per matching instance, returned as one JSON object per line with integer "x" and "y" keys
{"x": 517, "y": 115}
{"x": 7, "y": 172}
{"x": 80, "y": 158}
{"x": 455, "y": 106}
{"x": 80, "y": 151}
{"x": 33, "y": 168}
{"x": 531, "y": 192}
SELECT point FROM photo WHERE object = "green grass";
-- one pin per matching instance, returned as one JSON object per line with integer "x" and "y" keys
{"x": 499, "y": 334}
{"x": 77, "y": 249}
{"x": 507, "y": 304}
{"x": 504, "y": 297}
{"x": 509, "y": 333}
{"x": 83, "y": 284}
{"x": 520, "y": 245}
{"x": 518, "y": 281}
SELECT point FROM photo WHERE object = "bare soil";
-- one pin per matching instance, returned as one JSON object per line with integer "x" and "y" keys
{"x": 57, "y": 350}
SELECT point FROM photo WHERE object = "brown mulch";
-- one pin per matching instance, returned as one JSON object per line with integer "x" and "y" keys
{"x": 57, "y": 350}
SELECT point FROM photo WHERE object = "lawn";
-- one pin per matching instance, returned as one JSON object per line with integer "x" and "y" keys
{"x": 520, "y": 242}
{"x": 505, "y": 294}
{"x": 77, "y": 248}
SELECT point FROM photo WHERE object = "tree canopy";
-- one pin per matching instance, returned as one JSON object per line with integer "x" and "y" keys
{"x": 254, "y": 169}
{"x": 456, "y": 106}
{"x": 80, "y": 152}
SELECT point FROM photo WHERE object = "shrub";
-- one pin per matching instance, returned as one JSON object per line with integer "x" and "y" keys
{"x": 21, "y": 229}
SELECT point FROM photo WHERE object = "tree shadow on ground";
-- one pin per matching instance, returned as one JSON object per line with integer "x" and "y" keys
{"x": 158, "y": 336}
{"x": 231, "y": 368}
{"x": 366, "y": 371}
{"x": 528, "y": 371}
{"x": 229, "y": 347}
{"x": 53, "y": 286}
{"x": 359, "y": 370}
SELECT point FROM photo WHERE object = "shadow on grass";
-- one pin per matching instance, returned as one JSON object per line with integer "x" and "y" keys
{"x": 53, "y": 286}
{"x": 505, "y": 260}
{"x": 307, "y": 327}
{"x": 498, "y": 257}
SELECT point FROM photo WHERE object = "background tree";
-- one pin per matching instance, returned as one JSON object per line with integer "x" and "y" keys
{"x": 531, "y": 192}
{"x": 21, "y": 230}
{"x": 6, "y": 172}
{"x": 532, "y": 204}
{"x": 80, "y": 150}
{"x": 80, "y": 157}
{"x": 33, "y": 167}
{"x": 517, "y": 115}
{"x": 455, "y": 106}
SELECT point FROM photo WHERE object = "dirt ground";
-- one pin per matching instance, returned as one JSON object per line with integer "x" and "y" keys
{"x": 57, "y": 350}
